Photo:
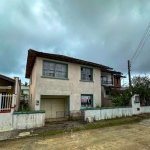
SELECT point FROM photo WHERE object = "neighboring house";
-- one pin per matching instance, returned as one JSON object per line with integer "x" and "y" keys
{"x": 8, "y": 88}
{"x": 109, "y": 80}
{"x": 60, "y": 84}
{"x": 24, "y": 94}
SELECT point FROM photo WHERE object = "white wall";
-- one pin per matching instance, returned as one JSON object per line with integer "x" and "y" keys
{"x": 72, "y": 87}
{"x": 5, "y": 122}
{"x": 135, "y": 106}
{"x": 10, "y": 121}
{"x": 27, "y": 121}
{"x": 145, "y": 109}
{"x": 25, "y": 89}
{"x": 108, "y": 113}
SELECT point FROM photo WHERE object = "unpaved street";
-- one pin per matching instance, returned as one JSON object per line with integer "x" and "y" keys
{"x": 125, "y": 137}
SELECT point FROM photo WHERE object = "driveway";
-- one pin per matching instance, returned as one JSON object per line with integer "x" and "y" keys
{"x": 124, "y": 137}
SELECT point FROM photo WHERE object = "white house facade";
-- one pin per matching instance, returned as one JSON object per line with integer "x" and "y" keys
{"x": 62, "y": 84}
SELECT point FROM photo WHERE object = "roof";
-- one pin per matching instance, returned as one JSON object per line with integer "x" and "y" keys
{"x": 116, "y": 73}
{"x": 7, "y": 78}
{"x": 32, "y": 54}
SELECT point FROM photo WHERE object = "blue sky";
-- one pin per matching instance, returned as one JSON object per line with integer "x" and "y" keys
{"x": 102, "y": 31}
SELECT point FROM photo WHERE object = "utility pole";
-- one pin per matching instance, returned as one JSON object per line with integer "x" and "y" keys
{"x": 129, "y": 66}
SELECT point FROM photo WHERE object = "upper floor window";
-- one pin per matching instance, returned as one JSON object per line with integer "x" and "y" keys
{"x": 86, "y": 74}
{"x": 56, "y": 70}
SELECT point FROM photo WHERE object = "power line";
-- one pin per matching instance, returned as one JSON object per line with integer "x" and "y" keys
{"x": 141, "y": 44}
{"x": 141, "y": 47}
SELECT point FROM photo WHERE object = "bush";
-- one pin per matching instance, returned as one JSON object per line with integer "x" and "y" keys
{"x": 121, "y": 99}
{"x": 24, "y": 106}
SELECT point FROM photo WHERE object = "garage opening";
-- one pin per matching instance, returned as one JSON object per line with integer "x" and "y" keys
{"x": 56, "y": 107}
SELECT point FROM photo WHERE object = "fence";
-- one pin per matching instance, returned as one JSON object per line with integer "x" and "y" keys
{"x": 108, "y": 113}
{"x": 7, "y": 102}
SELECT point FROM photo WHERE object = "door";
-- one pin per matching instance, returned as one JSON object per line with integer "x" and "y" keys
{"x": 51, "y": 106}
{"x": 58, "y": 105}
{"x": 46, "y": 105}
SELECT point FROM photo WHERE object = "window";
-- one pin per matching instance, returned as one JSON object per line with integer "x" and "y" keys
{"x": 86, "y": 74}
{"x": 107, "y": 92}
{"x": 137, "y": 99}
{"x": 55, "y": 70}
{"x": 86, "y": 101}
{"x": 104, "y": 80}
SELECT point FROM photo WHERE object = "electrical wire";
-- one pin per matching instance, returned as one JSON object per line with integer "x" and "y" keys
{"x": 141, "y": 44}
{"x": 141, "y": 48}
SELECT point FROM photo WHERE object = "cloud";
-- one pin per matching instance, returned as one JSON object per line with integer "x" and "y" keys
{"x": 106, "y": 32}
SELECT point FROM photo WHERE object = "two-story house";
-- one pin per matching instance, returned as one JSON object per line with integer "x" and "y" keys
{"x": 110, "y": 79}
{"x": 62, "y": 84}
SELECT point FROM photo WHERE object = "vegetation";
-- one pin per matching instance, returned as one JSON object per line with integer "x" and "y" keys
{"x": 25, "y": 84}
{"x": 141, "y": 86}
{"x": 24, "y": 106}
{"x": 121, "y": 98}
{"x": 97, "y": 106}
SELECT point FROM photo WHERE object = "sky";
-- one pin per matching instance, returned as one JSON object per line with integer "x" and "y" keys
{"x": 107, "y": 32}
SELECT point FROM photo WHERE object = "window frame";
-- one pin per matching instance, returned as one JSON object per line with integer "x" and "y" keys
{"x": 91, "y": 74}
{"x": 54, "y": 62}
{"x": 92, "y": 100}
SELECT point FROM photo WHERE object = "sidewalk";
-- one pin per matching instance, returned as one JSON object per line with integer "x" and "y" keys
{"x": 67, "y": 125}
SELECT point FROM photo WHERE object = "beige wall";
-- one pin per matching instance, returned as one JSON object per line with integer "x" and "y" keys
{"x": 72, "y": 87}
{"x": 32, "y": 88}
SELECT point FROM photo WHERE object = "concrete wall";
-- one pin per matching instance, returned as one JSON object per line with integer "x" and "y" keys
{"x": 145, "y": 109}
{"x": 135, "y": 106}
{"x": 27, "y": 121}
{"x": 10, "y": 121}
{"x": 72, "y": 87}
{"x": 5, "y": 122}
{"x": 100, "y": 114}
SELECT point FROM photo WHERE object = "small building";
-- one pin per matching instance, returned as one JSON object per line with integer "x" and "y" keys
{"x": 8, "y": 88}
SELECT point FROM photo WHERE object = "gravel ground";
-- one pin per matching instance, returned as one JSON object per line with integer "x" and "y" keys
{"x": 123, "y": 137}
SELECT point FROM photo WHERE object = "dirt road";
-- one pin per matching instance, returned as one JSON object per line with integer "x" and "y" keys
{"x": 124, "y": 137}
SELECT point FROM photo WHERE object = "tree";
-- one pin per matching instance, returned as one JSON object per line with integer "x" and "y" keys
{"x": 121, "y": 98}
{"x": 141, "y": 86}
{"x": 25, "y": 84}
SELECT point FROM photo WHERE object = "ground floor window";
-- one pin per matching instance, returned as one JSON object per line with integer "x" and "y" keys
{"x": 86, "y": 100}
